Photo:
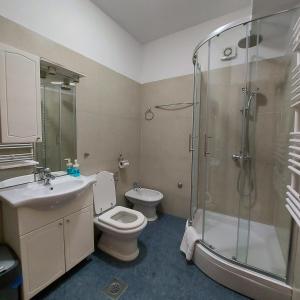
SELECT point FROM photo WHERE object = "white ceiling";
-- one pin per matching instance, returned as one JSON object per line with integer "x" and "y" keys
{"x": 148, "y": 20}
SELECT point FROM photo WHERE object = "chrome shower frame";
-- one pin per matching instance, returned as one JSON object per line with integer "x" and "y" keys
{"x": 228, "y": 26}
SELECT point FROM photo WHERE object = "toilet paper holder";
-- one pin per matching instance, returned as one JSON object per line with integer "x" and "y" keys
{"x": 123, "y": 163}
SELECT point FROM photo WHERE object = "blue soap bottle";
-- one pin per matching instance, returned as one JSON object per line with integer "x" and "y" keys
{"x": 69, "y": 166}
{"x": 76, "y": 170}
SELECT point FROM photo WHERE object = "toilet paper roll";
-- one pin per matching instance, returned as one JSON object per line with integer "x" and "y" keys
{"x": 123, "y": 164}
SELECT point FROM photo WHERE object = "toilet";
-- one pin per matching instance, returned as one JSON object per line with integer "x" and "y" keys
{"x": 120, "y": 226}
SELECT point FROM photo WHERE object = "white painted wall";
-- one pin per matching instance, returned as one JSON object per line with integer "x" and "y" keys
{"x": 80, "y": 26}
{"x": 171, "y": 56}
{"x": 84, "y": 28}
{"x": 265, "y": 7}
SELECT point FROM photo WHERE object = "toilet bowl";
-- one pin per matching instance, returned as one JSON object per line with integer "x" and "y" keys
{"x": 120, "y": 226}
{"x": 145, "y": 201}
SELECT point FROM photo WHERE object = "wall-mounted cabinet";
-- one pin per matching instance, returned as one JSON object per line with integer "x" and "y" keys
{"x": 20, "y": 99}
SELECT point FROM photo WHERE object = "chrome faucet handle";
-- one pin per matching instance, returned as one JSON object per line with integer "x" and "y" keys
{"x": 47, "y": 170}
{"x": 48, "y": 176}
{"x": 38, "y": 173}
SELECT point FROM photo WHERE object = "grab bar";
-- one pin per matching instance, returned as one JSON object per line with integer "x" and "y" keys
{"x": 191, "y": 149}
{"x": 170, "y": 105}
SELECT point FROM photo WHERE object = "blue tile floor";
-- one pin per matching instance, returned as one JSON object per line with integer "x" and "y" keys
{"x": 160, "y": 272}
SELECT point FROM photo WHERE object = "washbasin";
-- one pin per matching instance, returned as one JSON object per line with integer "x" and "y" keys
{"x": 39, "y": 196}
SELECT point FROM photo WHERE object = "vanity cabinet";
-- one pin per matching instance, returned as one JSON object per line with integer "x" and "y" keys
{"x": 49, "y": 242}
{"x": 44, "y": 252}
{"x": 79, "y": 238}
{"x": 20, "y": 99}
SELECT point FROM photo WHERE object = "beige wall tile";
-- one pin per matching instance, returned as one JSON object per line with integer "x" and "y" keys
{"x": 165, "y": 159}
{"x": 108, "y": 107}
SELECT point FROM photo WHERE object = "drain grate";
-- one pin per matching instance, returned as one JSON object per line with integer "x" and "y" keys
{"x": 115, "y": 288}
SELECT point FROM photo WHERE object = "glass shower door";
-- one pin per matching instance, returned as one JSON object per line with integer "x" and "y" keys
{"x": 194, "y": 139}
{"x": 226, "y": 230}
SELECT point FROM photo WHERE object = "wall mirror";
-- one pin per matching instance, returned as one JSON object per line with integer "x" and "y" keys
{"x": 58, "y": 118}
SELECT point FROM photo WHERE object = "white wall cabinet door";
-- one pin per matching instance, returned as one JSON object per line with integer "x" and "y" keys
{"x": 20, "y": 98}
{"x": 43, "y": 257}
{"x": 79, "y": 236}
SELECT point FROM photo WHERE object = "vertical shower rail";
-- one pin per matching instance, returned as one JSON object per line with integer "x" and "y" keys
{"x": 195, "y": 138}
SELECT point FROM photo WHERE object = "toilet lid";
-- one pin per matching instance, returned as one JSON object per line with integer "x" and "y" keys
{"x": 104, "y": 192}
{"x": 122, "y": 218}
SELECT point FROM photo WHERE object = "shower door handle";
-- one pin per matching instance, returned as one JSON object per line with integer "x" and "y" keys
{"x": 191, "y": 149}
{"x": 206, "y": 137}
{"x": 241, "y": 157}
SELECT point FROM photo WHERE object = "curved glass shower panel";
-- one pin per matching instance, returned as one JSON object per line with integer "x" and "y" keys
{"x": 199, "y": 125}
{"x": 227, "y": 75}
{"x": 270, "y": 120}
{"x": 244, "y": 124}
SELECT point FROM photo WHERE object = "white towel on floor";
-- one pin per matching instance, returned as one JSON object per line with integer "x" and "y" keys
{"x": 188, "y": 242}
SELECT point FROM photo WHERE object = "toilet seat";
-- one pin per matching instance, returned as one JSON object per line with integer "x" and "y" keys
{"x": 120, "y": 226}
{"x": 122, "y": 218}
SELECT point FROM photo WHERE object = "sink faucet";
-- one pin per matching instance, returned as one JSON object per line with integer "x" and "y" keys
{"x": 136, "y": 186}
{"x": 43, "y": 174}
{"x": 38, "y": 173}
{"x": 47, "y": 176}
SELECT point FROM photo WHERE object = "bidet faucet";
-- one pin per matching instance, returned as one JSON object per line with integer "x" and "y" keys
{"x": 136, "y": 186}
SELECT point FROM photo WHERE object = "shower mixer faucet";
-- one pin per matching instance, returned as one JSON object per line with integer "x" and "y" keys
{"x": 237, "y": 157}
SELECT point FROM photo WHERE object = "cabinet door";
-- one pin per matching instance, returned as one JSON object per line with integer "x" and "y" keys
{"x": 20, "y": 98}
{"x": 43, "y": 257}
{"x": 79, "y": 236}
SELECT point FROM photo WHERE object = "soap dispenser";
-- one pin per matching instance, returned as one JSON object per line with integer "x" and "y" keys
{"x": 76, "y": 170}
{"x": 69, "y": 166}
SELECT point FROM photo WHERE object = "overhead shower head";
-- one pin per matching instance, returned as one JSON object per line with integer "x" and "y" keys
{"x": 66, "y": 85}
{"x": 250, "y": 41}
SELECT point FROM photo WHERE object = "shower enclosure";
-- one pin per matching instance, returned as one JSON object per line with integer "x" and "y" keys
{"x": 241, "y": 125}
